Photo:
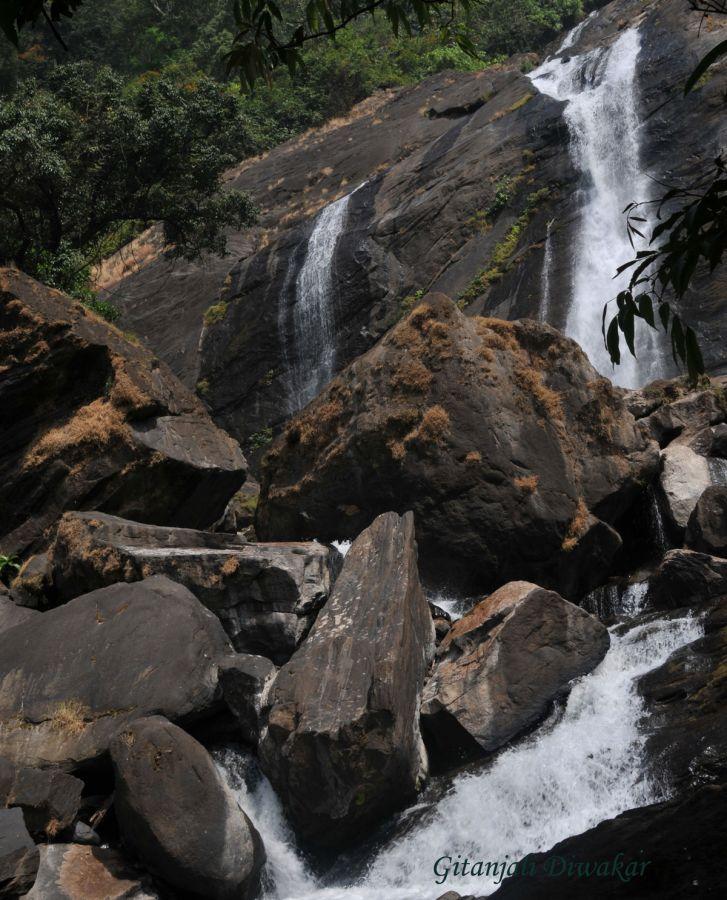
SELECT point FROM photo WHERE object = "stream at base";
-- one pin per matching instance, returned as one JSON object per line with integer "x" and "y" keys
{"x": 583, "y": 765}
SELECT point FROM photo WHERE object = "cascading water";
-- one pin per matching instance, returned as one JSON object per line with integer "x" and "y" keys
{"x": 544, "y": 312}
{"x": 314, "y": 310}
{"x": 601, "y": 112}
{"x": 584, "y": 765}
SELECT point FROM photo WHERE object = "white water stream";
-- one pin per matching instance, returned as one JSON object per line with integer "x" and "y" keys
{"x": 601, "y": 110}
{"x": 584, "y": 765}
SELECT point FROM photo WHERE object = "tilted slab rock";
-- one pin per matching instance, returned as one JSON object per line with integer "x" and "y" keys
{"x": 71, "y": 677}
{"x": 342, "y": 746}
{"x": 500, "y": 436}
{"x": 182, "y": 819}
{"x": 502, "y": 665}
{"x": 90, "y": 420}
{"x": 707, "y": 526}
{"x": 75, "y": 872}
{"x": 49, "y": 798}
{"x": 265, "y": 595}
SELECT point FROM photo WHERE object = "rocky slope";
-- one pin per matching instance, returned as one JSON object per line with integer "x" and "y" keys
{"x": 462, "y": 175}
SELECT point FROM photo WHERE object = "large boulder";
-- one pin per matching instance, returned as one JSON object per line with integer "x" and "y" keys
{"x": 89, "y": 419}
{"x": 502, "y": 665}
{"x": 707, "y": 526}
{"x": 175, "y": 810}
{"x": 19, "y": 855}
{"x": 684, "y": 478}
{"x": 342, "y": 745}
{"x": 49, "y": 798}
{"x": 72, "y": 676}
{"x": 75, "y": 872}
{"x": 266, "y": 595}
{"x": 500, "y": 436}
{"x": 686, "y": 578}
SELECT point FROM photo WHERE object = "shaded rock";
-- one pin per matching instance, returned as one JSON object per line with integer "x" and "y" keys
{"x": 84, "y": 834}
{"x": 707, "y": 526}
{"x": 265, "y": 595}
{"x": 75, "y": 872}
{"x": 684, "y": 478}
{"x": 676, "y": 850}
{"x": 342, "y": 746}
{"x": 507, "y": 459}
{"x": 502, "y": 665}
{"x": 19, "y": 856}
{"x": 90, "y": 420}
{"x": 246, "y": 681}
{"x": 181, "y": 818}
{"x": 240, "y": 511}
{"x": 70, "y": 678}
{"x": 49, "y": 798}
{"x": 677, "y": 411}
{"x": 11, "y": 614}
{"x": 685, "y": 698}
{"x": 686, "y": 578}
{"x": 719, "y": 441}
{"x": 31, "y": 587}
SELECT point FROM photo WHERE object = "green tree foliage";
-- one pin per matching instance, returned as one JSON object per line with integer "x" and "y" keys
{"x": 84, "y": 159}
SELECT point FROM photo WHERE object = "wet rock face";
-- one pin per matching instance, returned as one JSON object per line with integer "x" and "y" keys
{"x": 266, "y": 595}
{"x": 342, "y": 746}
{"x": 88, "y": 419}
{"x": 500, "y": 436}
{"x": 177, "y": 813}
{"x": 71, "y": 677}
{"x": 502, "y": 665}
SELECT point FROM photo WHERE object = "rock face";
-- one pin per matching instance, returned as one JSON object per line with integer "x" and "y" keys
{"x": 684, "y": 478}
{"x": 89, "y": 420}
{"x": 433, "y": 158}
{"x": 707, "y": 526}
{"x": 74, "y": 872}
{"x": 265, "y": 595}
{"x": 686, "y": 578}
{"x": 246, "y": 681}
{"x": 49, "y": 799}
{"x": 19, "y": 856}
{"x": 70, "y": 678}
{"x": 342, "y": 746}
{"x": 502, "y": 665}
{"x": 181, "y": 818}
{"x": 11, "y": 614}
{"x": 507, "y": 460}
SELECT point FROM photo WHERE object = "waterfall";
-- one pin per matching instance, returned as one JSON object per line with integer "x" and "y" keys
{"x": 600, "y": 92}
{"x": 314, "y": 310}
{"x": 544, "y": 311}
{"x": 585, "y": 764}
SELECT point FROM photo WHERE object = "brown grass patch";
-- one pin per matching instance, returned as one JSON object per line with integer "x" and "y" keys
{"x": 531, "y": 382}
{"x": 96, "y": 425}
{"x": 411, "y": 376}
{"x": 473, "y": 457}
{"x": 433, "y": 428}
{"x": 578, "y": 526}
{"x": 70, "y": 717}
{"x": 528, "y": 484}
{"x": 230, "y": 566}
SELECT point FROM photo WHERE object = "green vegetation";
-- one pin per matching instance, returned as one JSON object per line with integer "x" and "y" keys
{"x": 260, "y": 439}
{"x": 503, "y": 252}
{"x": 104, "y": 309}
{"x": 215, "y": 313}
{"x": 9, "y": 567}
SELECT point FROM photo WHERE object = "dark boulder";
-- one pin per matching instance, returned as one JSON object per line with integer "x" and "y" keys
{"x": 707, "y": 527}
{"x": 175, "y": 810}
{"x": 246, "y": 681}
{"x": 501, "y": 667}
{"x": 76, "y": 872}
{"x": 266, "y": 595}
{"x": 49, "y": 798}
{"x": 90, "y": 420}
{"x": 19, "y": 856}
{"x": 72, "y": 676}
{"x": 500, "y": 436}
{"x": 666, "y": 851}
{"x": 686, "y": 578}
{"x": 342, "y": 746}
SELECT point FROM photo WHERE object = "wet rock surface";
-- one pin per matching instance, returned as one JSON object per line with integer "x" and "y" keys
{"x": 502, "y": 665}
{"x": 342, "y": 745}
{"x": 511, "y": 465}
{"x": 266, "y": 595}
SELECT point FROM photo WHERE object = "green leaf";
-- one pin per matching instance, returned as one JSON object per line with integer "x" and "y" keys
{"x": 646, "y": 309}
{"x": 612, "y": 341}
{"x": 705, "y": 62}
{"x": 695, "y": 361}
